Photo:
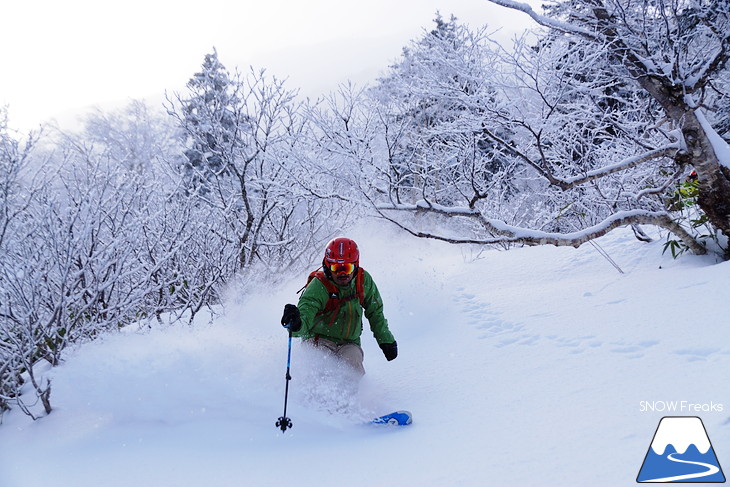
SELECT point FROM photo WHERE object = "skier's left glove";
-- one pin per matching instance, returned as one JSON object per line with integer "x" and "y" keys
{"x": 290, "y": 319}
{"x": 390, "y": 350}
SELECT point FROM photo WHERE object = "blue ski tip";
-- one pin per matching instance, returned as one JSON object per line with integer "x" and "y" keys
{"x": 398, "y": 418}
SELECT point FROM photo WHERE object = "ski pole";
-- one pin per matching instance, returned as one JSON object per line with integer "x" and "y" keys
{"x": 283, "y": 422}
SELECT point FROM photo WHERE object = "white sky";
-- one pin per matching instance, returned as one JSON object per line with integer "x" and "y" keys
{"x": 60, "y": 57}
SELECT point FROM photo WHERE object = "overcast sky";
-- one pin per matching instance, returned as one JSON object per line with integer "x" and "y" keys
{"x": 60, "y": 57}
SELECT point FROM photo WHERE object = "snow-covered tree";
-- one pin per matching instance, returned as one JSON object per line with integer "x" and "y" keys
{"x": 18, "y": 190}
{"x": 75, "y": 266}
{"x": 674, "y": 53}
{"x": 242, "y": 137}
{"x": 94, "y": 242}
{"x": 432, "y": 105}
{"x": 342, "y": 148}
{"x": 136, "y": 136}
{"x": 208, "y": 116}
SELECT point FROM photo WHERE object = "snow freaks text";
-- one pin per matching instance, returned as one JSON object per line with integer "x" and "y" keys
{"x": 683, "y": 407}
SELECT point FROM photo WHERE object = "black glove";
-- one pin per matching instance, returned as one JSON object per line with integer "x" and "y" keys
{"x": 291, "y": 319}
{"x": 390, "y": 350}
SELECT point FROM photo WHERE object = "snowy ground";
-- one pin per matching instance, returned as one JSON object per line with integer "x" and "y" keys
{"x": 521, "y": 368}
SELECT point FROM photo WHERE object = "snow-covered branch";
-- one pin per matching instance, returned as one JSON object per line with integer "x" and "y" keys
{"x": 667, "y": 151}
{"x": 504, "y": 233}
{"x": 542, "y": 19}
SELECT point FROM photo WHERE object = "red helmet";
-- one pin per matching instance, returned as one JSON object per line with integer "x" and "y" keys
{"x": 341, "y": 250}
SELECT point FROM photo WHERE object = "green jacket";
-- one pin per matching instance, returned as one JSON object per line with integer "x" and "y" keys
{"x": 346, "y": 327}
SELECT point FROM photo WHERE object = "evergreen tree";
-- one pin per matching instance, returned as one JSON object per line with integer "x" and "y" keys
{"x": 209, "y": 121}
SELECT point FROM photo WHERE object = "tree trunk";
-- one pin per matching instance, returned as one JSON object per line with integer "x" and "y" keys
{"x": 714, "y": 178}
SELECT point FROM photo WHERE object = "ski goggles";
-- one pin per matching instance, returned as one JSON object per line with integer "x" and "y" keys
{"x": 342, "y": 268}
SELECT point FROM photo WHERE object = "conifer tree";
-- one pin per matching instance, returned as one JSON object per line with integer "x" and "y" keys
{"x": 209, "y": 124}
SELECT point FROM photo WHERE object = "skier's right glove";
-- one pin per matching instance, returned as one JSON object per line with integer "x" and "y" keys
{"x": 290, "y": 319}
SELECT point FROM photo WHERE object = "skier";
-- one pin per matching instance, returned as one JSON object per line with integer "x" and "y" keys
{"x": 329, "y": 313}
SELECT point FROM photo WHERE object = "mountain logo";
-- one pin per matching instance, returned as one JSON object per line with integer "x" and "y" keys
{"x": 680, "y": 452}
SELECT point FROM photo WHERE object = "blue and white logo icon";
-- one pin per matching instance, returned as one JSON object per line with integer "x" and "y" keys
{"x": 681, "y": 452}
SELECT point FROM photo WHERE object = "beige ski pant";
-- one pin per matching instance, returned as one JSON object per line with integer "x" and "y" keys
{"x": 349, "y": 353}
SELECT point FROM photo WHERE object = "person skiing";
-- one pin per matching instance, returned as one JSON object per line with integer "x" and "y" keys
{"x": 329, "y": 313}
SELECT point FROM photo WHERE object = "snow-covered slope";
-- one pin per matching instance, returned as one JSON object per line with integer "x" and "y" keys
{"x": 538, "y": 366}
